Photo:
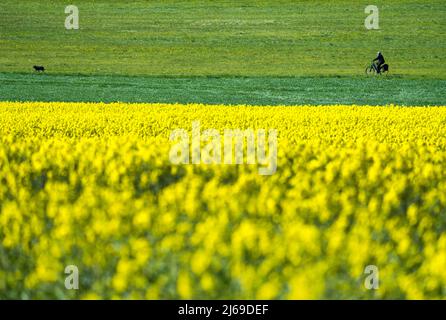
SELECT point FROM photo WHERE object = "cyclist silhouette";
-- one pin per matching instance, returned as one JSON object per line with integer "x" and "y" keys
{"x": 380, "y": 59}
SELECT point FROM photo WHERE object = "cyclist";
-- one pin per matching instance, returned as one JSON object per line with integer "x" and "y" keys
{"x": 380, "y": 59}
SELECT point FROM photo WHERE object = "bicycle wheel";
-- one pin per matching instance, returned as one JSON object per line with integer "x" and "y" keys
{"x": 369, "y": 70}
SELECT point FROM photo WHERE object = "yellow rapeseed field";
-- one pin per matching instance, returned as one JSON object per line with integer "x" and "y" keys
{"x": 91, "y": 185}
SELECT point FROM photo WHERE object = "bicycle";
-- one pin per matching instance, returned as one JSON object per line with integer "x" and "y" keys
{"x": 373, "y": 69}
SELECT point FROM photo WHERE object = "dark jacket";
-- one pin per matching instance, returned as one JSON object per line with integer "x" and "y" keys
{"x": 380, "y": 59}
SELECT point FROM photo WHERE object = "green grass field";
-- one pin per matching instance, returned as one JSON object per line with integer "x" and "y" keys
{"x": 224, "y": 90}
{"x": 261, "y": 51}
